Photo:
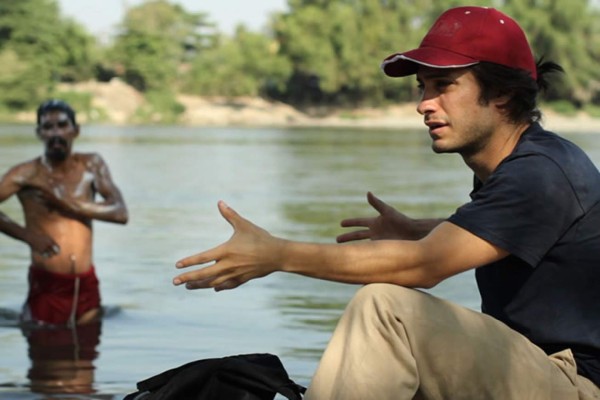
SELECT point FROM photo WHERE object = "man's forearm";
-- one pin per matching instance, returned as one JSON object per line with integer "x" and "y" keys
{"x": 357, "y": 262}
{"x": 109, "y": 212}
{"x": 11, "y": 228}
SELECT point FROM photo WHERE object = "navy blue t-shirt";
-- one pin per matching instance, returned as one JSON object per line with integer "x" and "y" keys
{"x": 542, "y": 205}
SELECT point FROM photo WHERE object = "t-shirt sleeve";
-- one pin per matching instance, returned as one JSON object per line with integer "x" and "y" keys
{"x": 524, "y": 207}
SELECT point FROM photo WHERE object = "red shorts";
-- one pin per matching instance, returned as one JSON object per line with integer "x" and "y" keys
{"x": 53, "y": 297}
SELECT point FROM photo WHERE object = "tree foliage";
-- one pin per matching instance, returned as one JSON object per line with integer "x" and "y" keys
{"x": 39, "y": 48}
{"x": 248, "y": 64}
{"x": 567, "y": 32}
{"x": 157, "y": 38}
{"x": 318, "y": 52}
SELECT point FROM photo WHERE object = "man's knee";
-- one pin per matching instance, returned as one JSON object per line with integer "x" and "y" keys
{"x": 378, "y": 290}
{"x": 382, "y": 296}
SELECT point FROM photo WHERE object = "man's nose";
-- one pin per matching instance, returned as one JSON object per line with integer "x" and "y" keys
{"x": 425, "y": 106}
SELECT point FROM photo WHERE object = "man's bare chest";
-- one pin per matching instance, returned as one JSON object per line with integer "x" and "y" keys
{"x": 76, "y": 182}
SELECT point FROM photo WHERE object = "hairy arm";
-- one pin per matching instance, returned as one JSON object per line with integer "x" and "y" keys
{"x": 252, "y": 253}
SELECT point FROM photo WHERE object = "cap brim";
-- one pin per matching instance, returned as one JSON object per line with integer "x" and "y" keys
{"x": 407, "y": 63}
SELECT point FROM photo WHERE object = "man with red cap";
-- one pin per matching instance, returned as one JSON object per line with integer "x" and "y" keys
{"x": 530, "y": 232}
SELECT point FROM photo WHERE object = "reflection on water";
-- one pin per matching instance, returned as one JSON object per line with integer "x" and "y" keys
{"x": 297, "y": 183}
{"x": 62, "y": 358}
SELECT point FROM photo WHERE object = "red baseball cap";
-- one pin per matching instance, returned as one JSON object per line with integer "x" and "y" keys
{"x": 465, "y": 36}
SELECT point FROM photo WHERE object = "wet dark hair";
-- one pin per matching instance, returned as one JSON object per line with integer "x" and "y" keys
{"x": 55, "y": 105}
{"x": 522, "y": 90}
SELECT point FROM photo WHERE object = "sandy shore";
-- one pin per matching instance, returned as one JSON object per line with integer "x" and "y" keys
{"x": 119, "y": 103}
{"x": 258, "y": 112}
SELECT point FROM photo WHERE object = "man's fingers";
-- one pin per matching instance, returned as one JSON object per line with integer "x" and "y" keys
{"x": 376, "y": 202}
{"x": 198, "y": 278}
{"x": 203, "y": 277}
{"x": 229, "y": 282}
{"x": 200, "y": 258}
{"x": 228, "y": 213}
{"x": 196, "y": 259}
{"x": 232, "y": 281}
{"x": 193, "y": 280}
{"x": 199, "y": 284}
{"x": 356, "y": 235}
{"x": 227, "y": 285}
{"x": 355, "y": 222}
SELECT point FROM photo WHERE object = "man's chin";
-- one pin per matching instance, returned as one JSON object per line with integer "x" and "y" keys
{"x": 56, "y": 154}
{"x": 440, "y": 149}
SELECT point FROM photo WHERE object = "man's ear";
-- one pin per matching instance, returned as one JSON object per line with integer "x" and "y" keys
{"x": 76, "y": 128}
{"x": 37, "y": 132}
{"x": 501, "y": 102}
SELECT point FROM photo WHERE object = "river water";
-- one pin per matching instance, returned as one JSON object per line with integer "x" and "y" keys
{"x": 297, "y": 183}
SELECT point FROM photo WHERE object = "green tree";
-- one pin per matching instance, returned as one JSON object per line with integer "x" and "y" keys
{"x": 78, "y": 56}
{"x": 19, "y": 82}
{"x": 336, "y": 47}
{"x": 44, "y": 47}
{"x": 156, "y": 42}
{"x": 567, "y": 32}
{"x": 248, "y": 64}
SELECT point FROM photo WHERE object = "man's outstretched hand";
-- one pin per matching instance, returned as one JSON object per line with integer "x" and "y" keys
{"x": 250, "y": 253}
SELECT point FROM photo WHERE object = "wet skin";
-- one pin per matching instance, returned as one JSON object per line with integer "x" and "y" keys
{"x": 58, "y": 192}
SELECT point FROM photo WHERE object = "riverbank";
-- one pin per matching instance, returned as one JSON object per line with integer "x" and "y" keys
{"x": 117, "y": 103}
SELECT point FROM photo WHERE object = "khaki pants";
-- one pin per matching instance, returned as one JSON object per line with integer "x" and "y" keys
{"x": 398, "y": 343}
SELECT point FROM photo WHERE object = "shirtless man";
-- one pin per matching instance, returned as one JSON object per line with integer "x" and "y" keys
{"x": 57, "y": 192}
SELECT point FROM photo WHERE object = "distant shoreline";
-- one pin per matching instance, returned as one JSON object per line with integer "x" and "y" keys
{"x": 119, "y": 103}
{"x": 217, "y": 114}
